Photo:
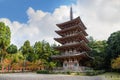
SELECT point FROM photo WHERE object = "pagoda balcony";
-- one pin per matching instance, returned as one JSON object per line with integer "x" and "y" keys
{"x": 70, "y": 34}
{"x": 69, "y": 54}
{"x": 71, "y": 43}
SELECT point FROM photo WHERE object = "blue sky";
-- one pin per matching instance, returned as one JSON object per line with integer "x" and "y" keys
{"x": 35, "y": 20}
{"x": 15, "y": 10}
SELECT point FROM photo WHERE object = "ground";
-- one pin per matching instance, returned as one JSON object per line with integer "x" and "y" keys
{"x": 34, "y": 76}
{"x": 111, "y": 76}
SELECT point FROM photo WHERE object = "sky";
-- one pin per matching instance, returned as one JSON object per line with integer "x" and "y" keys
{"x": 35, "y": 20}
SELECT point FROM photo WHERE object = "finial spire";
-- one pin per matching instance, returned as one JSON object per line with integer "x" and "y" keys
{"x": 71, "y": 13}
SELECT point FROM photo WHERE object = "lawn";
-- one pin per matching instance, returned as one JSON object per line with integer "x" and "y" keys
{"x": 111, "y": 76}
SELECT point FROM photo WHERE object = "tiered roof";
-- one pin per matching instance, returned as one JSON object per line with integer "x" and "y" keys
{"x": 70, "y": 23}
{"x": 76, "y": 37}
{"x": 79, "y": 56}
{"x": 73, "y": 36}
{"x": 72, "y": 28}
{"x": 82, "y": 46}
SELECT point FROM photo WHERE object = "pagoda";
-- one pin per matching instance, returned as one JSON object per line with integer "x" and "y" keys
{"x": 73, "y": 42}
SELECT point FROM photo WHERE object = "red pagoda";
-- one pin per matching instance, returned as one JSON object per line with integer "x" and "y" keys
{"x": 73, "y": 42}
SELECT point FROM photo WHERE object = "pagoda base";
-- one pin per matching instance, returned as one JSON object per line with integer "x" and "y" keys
{"x": 79, "y": 69}
{"x": 73, "y": 65}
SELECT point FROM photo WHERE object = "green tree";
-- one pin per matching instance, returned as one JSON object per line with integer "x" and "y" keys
{"x": 32, "y": 57}
{"x": 55, "y": 52}
{"x": 38, "y": 49}
{"x": 98, "y": 53}
{"x": 113, "y": 48}
{"x": 26, "y": 50}
{"x": 44, "y": 52}
{"x": 12, "y": 49}
{"x": 5, "y": 36}
{"x": 114, "y": 44}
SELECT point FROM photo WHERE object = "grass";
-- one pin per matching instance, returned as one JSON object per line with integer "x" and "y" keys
{"x": 111, "y": 75}
{"x": 78, "y": 73}
{"x": 106, "y": 76}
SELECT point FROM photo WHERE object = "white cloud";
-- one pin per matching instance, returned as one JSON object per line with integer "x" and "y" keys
{"x": 40, "y": 26}
{"x": 101, "y": 17}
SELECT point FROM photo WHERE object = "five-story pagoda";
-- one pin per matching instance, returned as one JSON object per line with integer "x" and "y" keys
{"x": 74, "y": 46}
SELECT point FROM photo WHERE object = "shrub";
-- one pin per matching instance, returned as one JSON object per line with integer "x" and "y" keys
{"x": 94, "y": 72}
{"x": 43, "y": 72}
{"x": 68, "y": 72}
{"x": 77, "y": 73}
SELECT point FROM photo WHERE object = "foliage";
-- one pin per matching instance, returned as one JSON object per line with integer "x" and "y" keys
{"x": 12, "y": 49}
{"x": 98, "y": 46}
{"x": 43, "y": 72}
{"x": 5, "y": 36}
{"x": 17, "y": 57}
{"x": 28, "y": 52}
{"x": 98, "y": 53}
{"x": 41, "y": 51}
{"x": 116, "y": 63}
{"x": 94, "y": 72}
{"x": 106, "y": 52}
{"x": 11, "y": 60}
{"x": 44, "y": 52}
{"x": 68, "y": 72}
{"x": 113, "y": 48}
{"x": 38, "y": 49}
{"x": 7, "y": 62}
{"x": 114, "y": 44}
{"x": 26, "y": 48}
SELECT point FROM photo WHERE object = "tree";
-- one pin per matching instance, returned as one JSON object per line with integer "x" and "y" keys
{"x": 46, "y": 54}
{"x": 116, "y": 63}
{"x": 38, "y": 49}
{"x": 98, "y": 52}
{"x": 5, "y": 36}
{"x": 12, "y": 49}
{"x": 44, "y": 51}
{"x": 114, "y": 44}
{"x": 32, "y": 57}
{"x": 26, "y": 50}
{"x": 113, "y": 48}
{"x": 55, "y": 52}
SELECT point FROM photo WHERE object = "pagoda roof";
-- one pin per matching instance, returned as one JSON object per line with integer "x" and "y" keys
{"x": 75, "y": 21}
{"x": 79, "y": 36}
{"x": 61, "y": 32}
{"x": 79, "y": 56}
{"x": 82, "y": 45}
